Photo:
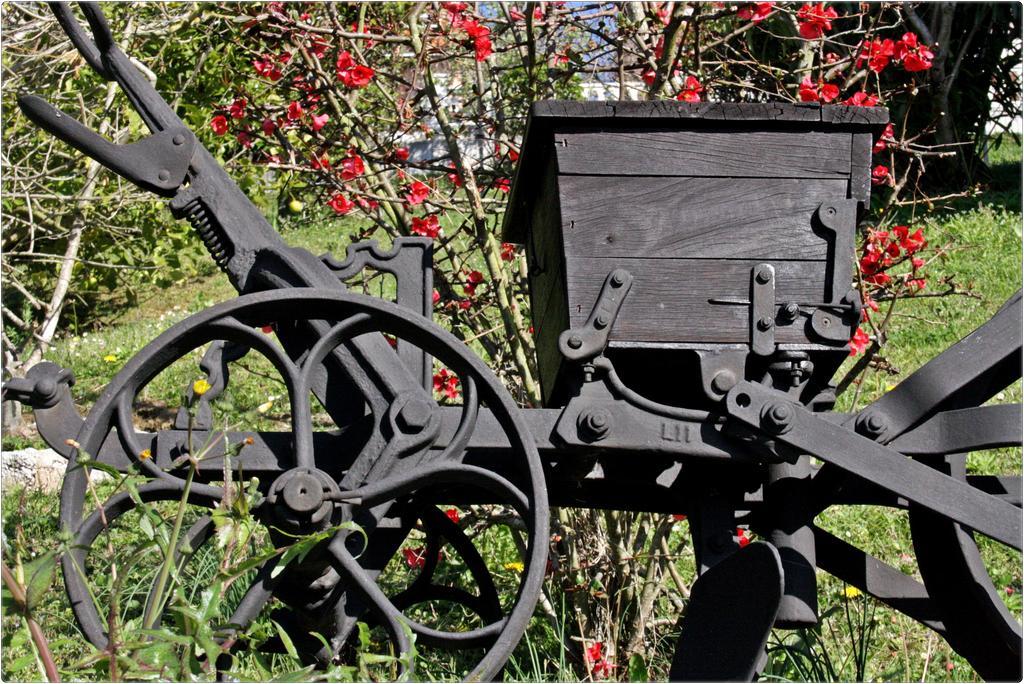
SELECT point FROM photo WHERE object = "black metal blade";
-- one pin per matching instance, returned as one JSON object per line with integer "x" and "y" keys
{"x": 732, "y": 609}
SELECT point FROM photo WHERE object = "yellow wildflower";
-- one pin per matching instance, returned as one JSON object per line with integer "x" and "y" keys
{"x": 516, "y": 565}
{"x": 265, "y": 406}
{"x": 145, "y": 454}
{"x": 110, "y": 358}
{"x": 851, "y": 592}
{"x": 201, "y": 387}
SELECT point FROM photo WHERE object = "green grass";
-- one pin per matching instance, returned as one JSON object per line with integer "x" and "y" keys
{"x": 983, "y": 235}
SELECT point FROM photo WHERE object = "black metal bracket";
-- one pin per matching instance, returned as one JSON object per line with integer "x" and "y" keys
{"x": 587, "y": 342}
{"x": 762, "y": 310}
{"x": 835, "y": 319}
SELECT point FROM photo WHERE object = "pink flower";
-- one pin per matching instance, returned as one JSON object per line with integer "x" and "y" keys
{"x": 295, "y": 111}
{"x": 340, "y": 204}
{"x": 815, "y": 20}
{"x": 319, "y": 121}
{"x": 219, "y": 124}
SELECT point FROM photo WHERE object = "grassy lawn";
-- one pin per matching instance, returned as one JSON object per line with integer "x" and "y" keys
{"x": 980, "y": 240}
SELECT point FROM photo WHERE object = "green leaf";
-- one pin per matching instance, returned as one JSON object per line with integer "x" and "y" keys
{"x": 40, "y": 574}
{"x": 301, "y": 675}
{"x": 286, "y": 641}
{"x": 22, "y": 663}
{"x": 637, "y": 669}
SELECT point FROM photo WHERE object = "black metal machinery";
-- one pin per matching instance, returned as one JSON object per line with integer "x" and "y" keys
{"x": 726, "y": 436}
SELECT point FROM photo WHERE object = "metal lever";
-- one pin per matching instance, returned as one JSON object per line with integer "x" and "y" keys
{"x": 590, "y": 340}
{"x": 157, "y": 163}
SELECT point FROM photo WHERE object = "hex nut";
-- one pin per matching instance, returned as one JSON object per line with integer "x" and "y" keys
{"x": 764, "y": 274}
{"x": 777, "y": 417}
{"x": 415, "y": 415}
{"x": 594, "y": 424}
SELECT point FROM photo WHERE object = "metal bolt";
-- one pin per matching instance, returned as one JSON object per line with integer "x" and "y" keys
{"x": 764, "y": 274}
{"x": 575, "y": 342}
{"x": 831, "y": 211}
{"x": 46, "y": 388}
{"x": 601, "y": 321}
{"x": 871, "y": 425}
{"x": 618, "y": 278}
{"x": 723, "y": 381}
{"x": 765, "y": 323}
{"x": 594, "y": 424}
{"x": 164, "y": 174}
{"x": 777, "y": 417}
{"x": 178, "y": 139}
{"x": 789, "y": 312}
{"x": 415, "y": 415}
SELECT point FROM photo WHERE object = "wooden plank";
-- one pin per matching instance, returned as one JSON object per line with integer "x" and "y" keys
{"x": 672, "y": 217}
{"x": 843, "y": 115}
{"x": 860, "y": 167}
{"x": 669, "y": 298}
{"x": 722, "y": 111}
{"x": 721, "y": 153}
{"x": 544, "y": 249}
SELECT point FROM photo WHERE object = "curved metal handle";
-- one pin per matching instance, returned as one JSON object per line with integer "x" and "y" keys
{"x": 85, "y": 45}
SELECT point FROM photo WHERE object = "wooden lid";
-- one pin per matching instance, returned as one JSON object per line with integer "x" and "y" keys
{"x": 546, "y": 114}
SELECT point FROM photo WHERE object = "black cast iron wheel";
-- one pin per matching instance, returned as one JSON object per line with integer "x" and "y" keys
{"x": 368, "y": 490}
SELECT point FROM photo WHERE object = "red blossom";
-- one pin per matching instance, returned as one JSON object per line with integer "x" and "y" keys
{"x": 659, "y": 47}
{"x": 888, "y": 136}
{"x": 815, "y": 20}
{"x": 465, "y": 304}
{"x": 508, "y": 251}
{"x": 820, "y": 92}
{"x": 756, "y": 11}
{"x": 877, "y": 53}
{"x": 427, "y": 227}
{"x": 741, "y": 537}
{"x": 481, "y": 37}
{"x": 880, "y": 175}
{"x": 915, "y": 57}
{"x": 455, "y": 7}
{"x": 595, "y": 659}
{"x": 454, "y": 177}
{"x": 295, "y": 111}
{"x": 861, "y": 99}
{"x": 446, "y": 384}
{"x": 516, "y": 15}
{"x": 859, "y": 342}
{"x": 678, "y": 516}
{"x": 648, "y": 76}
{"x": 351, "y": 166}
{"x": 320, "y": 161}
{"x": 417, "y": 192}
{"x": 340, "y": 204}
{"x": 435, "y": 297}
{"x": 237, "y": 108}
{"x": 538, "y": 13}
{"x": 415, "y": 558}
{"x": 219, "y": 124}
{"x": 244, "y": 139}
{"x": 269, "y": 127}
{"x": 691, "y": 90}
{"x": 402, "y": 153}
{"x": 473, "y": 279}
{"x": 502, "y": 184}
{"x": 453, "y": 515}
{"x": 266, "y": 66}
{"x": 319, "y": 121}
{"x": 350, "y": 74}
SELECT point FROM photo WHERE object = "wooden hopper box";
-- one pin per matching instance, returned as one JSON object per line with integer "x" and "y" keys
{"x": 690, "y": 198}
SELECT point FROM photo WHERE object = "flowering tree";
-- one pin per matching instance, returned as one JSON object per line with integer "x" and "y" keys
{"x": 398, "y": 120}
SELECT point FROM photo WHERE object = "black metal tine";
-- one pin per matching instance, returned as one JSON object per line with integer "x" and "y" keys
{"x": 113, "y": 64}
{"x": 85, "y": 46}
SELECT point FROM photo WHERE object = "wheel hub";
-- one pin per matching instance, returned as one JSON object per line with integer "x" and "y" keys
{"x": 303, "y": 498}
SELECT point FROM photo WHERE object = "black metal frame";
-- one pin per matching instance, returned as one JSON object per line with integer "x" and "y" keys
{"x": 743, "y": 456}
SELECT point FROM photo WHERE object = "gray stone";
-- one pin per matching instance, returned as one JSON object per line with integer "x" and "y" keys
{"x": 41, "y": 469}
